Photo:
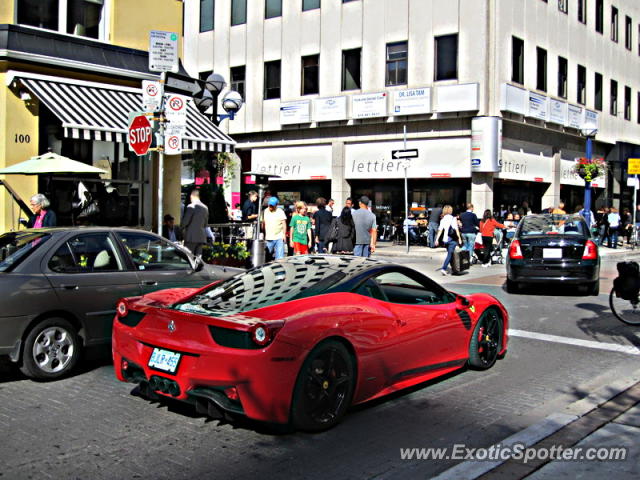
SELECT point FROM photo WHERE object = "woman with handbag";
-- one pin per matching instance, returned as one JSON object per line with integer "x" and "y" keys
{"x": 345, "y": 233}
{"x": 487, "y": 227}
{"x": 450, "y": 233}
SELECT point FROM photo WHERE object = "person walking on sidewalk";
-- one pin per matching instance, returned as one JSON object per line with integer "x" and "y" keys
{"x": 366, "y": 229}
{"x": 487, "y": 227}
{"x": 470, "y": 225}
{"x": 300, "y": 232}
{"x": 322, "y": 219}
{"x": 614, "y": 225}
{"x": 434, "y": 223}
{"x": 346, "y": 235}
{"x": 448, "y": 228}
{"x": 194, "y": 223}
{"x": 275, "y": 228}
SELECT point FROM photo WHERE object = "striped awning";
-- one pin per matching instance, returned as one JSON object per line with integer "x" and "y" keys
{"x": 98, "y": 111}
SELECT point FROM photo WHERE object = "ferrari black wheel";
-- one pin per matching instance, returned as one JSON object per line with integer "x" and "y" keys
{"x": 486, "y": 340}
{"x": 324, "y": 387}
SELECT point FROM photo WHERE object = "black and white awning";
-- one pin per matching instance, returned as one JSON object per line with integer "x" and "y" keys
{"x": 98, "y": 111}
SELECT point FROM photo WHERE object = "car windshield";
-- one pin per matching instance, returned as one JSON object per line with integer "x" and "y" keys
{"x": 533, "y": 225}
{"x": 276, "y": 282}
{"x": 16, "y": 246}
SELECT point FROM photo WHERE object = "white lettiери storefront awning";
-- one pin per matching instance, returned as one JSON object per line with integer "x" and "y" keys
{"x": 99, "y": 111}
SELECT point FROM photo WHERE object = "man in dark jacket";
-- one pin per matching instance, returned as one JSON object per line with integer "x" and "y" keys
{"x": 470, "y": 228}
{"x": 250, "y": 207}
{"x": 434, "y": 223}
{"x": 170, "y": 230}
{"x": 323, "y": 220}
{"x": 194, "y": 223}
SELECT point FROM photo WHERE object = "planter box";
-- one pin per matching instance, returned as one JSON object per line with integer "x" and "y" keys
{"x": 227, "y": 262}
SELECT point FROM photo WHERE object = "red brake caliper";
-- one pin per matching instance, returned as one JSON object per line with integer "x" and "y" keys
{"x": 480, "y": 337}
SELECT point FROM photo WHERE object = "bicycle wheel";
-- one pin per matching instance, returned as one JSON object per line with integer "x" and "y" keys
{"x": 624, "y": 310}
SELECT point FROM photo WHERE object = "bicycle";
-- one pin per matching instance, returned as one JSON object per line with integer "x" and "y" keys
{"x": 627, "y": 311}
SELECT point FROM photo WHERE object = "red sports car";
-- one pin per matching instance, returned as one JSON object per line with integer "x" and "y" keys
{"x": 301, "y": 339}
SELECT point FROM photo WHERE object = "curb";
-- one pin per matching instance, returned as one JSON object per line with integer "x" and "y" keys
{"x": 470, "y": 470}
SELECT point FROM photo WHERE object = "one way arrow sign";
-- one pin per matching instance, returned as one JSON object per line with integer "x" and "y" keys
{"x": 409, "y": 153}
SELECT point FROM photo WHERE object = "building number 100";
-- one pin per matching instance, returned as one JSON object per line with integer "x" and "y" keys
{"x": 22, "y": 138}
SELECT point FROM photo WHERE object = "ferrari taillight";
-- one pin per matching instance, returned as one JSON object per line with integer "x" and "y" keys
{"x": 590, "y": 251}
{"x": 515, "y": 252}
{"x": 262, "y": 334}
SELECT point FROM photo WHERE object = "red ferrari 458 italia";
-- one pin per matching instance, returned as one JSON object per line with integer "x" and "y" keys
{"x": 301, "y": 339}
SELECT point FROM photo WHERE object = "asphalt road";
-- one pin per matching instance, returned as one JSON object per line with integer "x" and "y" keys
{"x": 91, "y": 426}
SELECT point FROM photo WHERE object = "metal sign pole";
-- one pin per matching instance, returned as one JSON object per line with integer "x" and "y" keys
{"x": 163, "y": 79}
{"x": 635, "y": 201}
{"x": 406, "y": 191}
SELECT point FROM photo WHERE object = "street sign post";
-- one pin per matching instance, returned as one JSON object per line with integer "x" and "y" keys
{"x": 633, "y": 166}
{"x": 163, "y": 51}
{"x": 405, "y": 153}
{"x": 151, "y": 96}
{"x": 140, "y": 134}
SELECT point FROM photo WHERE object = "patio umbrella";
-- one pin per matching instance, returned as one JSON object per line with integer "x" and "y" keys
{"x": 49, "y": 163}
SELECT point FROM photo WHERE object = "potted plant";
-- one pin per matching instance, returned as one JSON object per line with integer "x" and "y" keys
{"x": 229, "y": 254}
{"x": 589, "y": 170}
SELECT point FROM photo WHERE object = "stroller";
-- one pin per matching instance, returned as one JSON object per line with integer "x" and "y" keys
{"x": 496, "y": 255}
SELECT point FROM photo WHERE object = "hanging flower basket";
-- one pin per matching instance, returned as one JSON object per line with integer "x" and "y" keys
{"x": 590, "y": 170}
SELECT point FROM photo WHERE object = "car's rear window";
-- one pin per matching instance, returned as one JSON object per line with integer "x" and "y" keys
{"x": 273, "y": 283}
{"x": 572, "y": 225}
{"x": 17, "y": 246}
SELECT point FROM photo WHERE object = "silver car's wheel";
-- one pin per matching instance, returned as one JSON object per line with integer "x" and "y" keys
{"x": 51, "y": 349}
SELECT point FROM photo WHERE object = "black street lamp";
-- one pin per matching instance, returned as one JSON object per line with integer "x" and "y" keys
{"x": 207, "y": 97}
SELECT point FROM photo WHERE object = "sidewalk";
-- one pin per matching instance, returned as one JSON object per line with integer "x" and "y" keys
{"x": 609, "y": 418}
{"x": 391, "y": 250}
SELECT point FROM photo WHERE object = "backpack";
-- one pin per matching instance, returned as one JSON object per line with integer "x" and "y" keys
{"x": 627, "y": 284}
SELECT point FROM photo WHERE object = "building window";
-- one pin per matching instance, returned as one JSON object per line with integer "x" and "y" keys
{"x": 627, "y": 32}
{"x": 351, "y": 69}
{"x": 582, "y": 11}
{"x": 614, "y": 24}
{"x": 272, "y": 8}
{"x": 238, "y": 12}
{"x": 638, "y": 111}
{"x": 238, "y": 79}
{"x": 582, "y": 85}
{"x": 563, "y": 6}
{"x": 272, "y": 80}
{"x": 83, "y": 17}
{"x": 310, "y": 74}
{"x": 541, "y": 79}
{"x": 517, "y": 60}
{"x": 598, "y": 92}
{"x": 562, "y": 77}
{"x": 38, "y": 13}
{"x": 446, "y": 57}
{"x": 613, "y": 110}
{"x": 397, "y": 55}
{"x": 206, "y": 15}
{"x": 627, "y": 103}
{"x": 600, "y": 16}
{"x": 310, "y": 5}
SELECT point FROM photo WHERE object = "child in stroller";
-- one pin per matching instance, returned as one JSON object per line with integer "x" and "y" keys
{"x": 495, "y": 255}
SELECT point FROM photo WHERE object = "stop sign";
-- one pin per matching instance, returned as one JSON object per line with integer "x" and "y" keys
{"x": 140, "y": 135}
